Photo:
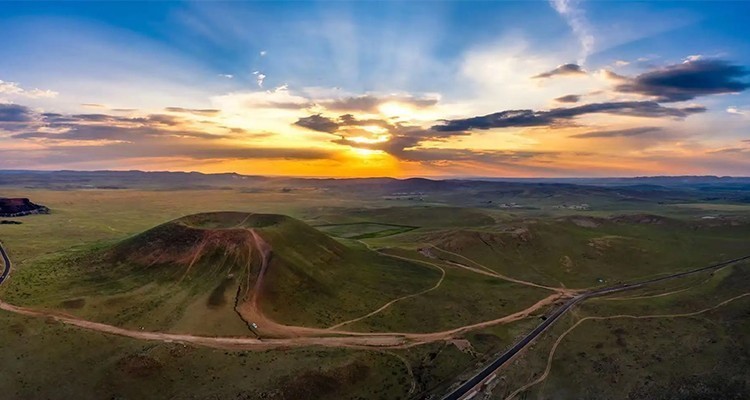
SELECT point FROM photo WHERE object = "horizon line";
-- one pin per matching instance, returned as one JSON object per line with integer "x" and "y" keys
{"x": 426, "y": 177}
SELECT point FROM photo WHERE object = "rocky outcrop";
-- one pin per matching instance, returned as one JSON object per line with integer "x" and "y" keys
{"x": 18, "y": 207}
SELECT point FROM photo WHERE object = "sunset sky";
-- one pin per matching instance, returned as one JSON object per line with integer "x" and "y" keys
{"x": 439, "y": 88}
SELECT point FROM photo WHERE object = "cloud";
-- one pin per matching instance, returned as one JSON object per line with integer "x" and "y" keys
{"x": 144, "y": 150}
{"x": 737, "y": 111}
{"x": 321, "y": 123}
{"x": 14, "y": 89}
{"x": 198, "y": 111}
{"x": 493, "y": 157}
{"x": 688, "y": 80}
{"x": 259, "y": 78}
{"x": 111, "y": 133}
{"x": 392, "y": 138}
{"x": 618, "y": 132}
{"x": 370, "y": 103}
{"x": 731, "y": 150}
{"x": 555, "y": 116}
{"x": 27, "y": 124}
{"x": 318, "y": 123}
{"x": 278, "y": 98}
{"x": 613, "y": 76}
{"x": 564, "y": 70}
{"x": 15, "y": 113}
{"x": 576, "y": 19}
{"x": 80, "y": 138}
{"x": 571, "y": 98}
{"x": 228, "y": 76}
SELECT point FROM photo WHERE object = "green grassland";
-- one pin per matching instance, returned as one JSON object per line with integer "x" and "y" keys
{"x": 671, "y": 355}
{"x": 47, "y": 360}
{"x": 364, "y": 230}
{"x": 345, "y": 268}
{"x": 185, "y": 276}
{"x": 463, "y": 298}
{"x": 560, "y": 252}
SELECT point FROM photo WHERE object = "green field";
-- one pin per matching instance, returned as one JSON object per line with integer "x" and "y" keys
{"x": 363, "y": 230}
{"x": 370, "y": 266}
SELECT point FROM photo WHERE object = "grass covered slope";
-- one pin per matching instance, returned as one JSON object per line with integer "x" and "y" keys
{"x": 578, "y": 251}
{"x": 194, "y": 273}
{"x": 685, "y": 339}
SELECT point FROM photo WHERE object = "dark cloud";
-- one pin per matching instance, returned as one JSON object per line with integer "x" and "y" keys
{"x": 557, "y": 116}
{"x": 571, "y": 98}
{"x": 56, "y": 155}
{"x": 15, "y": 113}
{"x": 318, "y": 123}
{"x": 111, "y": 133}
{"x": 259, "y": 152}
{"x": 66, "y": 139}
{"x": 104, "y": 127}
{"x": 565, "y": 69}
{"x": 689, "y": 80}
{"x": 400, "y": 136}
{"x": 198, "y": 111}
{"x": 161, "y": 119}
{"x": 619, "y": 132}
{"x": 496, "y": 157}
{"x": 94, "y": 117}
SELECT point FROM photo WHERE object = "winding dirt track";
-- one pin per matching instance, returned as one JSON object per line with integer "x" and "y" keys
{"x": 307, "y": 336}
{"x": 295, "y": 336}
{"x": 551, "y": 356}
{"x": 394, "y": 301}
{"x": 484, "y": 270}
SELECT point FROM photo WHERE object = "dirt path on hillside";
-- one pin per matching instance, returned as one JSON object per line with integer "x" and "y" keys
{"x": 484, "y": 270}
{"x": 551, "y": 356}
{"x": 394, "y": 301}
{"x": 303, "y": 336}
{"x": 286, "y": 336}
{"x": 252, "y": 313}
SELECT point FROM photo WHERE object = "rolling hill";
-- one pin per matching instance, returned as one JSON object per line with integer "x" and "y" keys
{"x": 215, "y": 273}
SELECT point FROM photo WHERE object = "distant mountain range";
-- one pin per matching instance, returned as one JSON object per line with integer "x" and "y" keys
{"x": 464, "y": 192}
{"x": 135, "y": 178}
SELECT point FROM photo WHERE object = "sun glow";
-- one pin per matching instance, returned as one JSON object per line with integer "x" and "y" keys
{"x": 366, "y": 152}
{"x": 394, "y": 109}
{"x": 369, "y": 140}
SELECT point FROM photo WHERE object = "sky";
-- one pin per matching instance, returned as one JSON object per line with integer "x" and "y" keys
{"x": 562, "y": 88}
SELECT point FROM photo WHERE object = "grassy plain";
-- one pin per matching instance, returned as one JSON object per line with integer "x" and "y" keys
{"x": 541, "y": 244}
{"x": 679, "y": 340}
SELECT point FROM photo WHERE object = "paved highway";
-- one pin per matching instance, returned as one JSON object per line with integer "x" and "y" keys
{"x": 469, "y": 385}
{"x": 6, "y": 262}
